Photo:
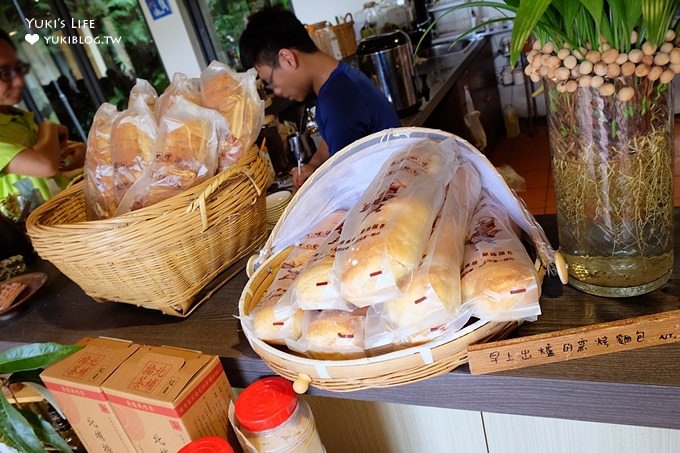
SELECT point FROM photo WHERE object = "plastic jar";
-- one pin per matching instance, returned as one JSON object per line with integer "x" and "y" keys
{"x": 210, "y": 444}
{"x": 274, "y": 419}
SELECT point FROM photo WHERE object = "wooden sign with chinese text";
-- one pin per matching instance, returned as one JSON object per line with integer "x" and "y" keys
{"x": 587, "y": 341}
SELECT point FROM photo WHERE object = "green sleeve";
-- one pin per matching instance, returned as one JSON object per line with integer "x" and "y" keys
{"x": 8, "y": 151}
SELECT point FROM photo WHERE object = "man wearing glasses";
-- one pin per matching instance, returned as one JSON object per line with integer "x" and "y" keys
{"x": 28, "y": 152}
{"x": 348, "y": 105}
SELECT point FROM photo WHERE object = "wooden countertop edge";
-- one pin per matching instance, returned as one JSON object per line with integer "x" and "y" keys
{"x": 593, "y": 401}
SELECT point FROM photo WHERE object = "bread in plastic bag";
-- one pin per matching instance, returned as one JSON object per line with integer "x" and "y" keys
{"x": 133, "y": 136}
{"x": 143, "y": 89}
{"x": 99, "y": 185}
{"x": 189, "y": 88}
{"x": 235, "y": 96}
{"x": 331, "y": 335}
{"x": 433, "y": 298}
{"x": 386, "y": 232}
{"x": 185, "y": 154}
{"x": 315, "y": 288}
{"x": 272, "y": 329}
{"x": 498, "y": 278}
{"x": 276, "y": 326}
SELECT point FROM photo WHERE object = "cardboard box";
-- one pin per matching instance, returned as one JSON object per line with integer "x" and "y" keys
{"x": 166, "y": 397}
{"x": 75, "y": 383}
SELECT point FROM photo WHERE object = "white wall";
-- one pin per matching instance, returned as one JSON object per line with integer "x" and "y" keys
{"x": 175, "y": 40}
{"x": 310, "y": 11}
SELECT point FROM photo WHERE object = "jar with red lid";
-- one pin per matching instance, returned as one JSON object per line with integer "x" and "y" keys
{"x": 275, "y": 420}
{"x": 209, "y": 444}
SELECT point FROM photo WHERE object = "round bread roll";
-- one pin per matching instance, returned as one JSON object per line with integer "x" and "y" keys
{"x": 335, "y": 335}
{"x": 503, "y": 279}
{"x": 276, "y": 331}
{"x": 422, "y": 304}
{"x": 314, "y": 287}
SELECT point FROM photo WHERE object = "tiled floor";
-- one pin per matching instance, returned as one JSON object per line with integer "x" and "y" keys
{"x": 529, "y": 156}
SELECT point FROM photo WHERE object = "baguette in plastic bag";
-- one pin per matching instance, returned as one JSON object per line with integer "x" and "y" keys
{"x": 267, "y": 324}
{"x": 133, "y": 136}
{"x": 235, "y": 96}
{"x": 185, "y": 154}
{"x": 498, "y": 278}
{"x": 188, "y": 88}
{"x": 144, "y": 90}
{"x": 433, "y": 298}
{"x": 386, "y": 232}
{"x": 99, "y": 189}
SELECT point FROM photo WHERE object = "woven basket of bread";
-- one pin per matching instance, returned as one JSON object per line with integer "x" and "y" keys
{"x": 161, "y": 256}
{"x": 357, "y": 165}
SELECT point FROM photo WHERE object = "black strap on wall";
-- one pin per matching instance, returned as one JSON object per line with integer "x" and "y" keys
{"x": 201, "y": 29}
{"x": 89, "y": 77}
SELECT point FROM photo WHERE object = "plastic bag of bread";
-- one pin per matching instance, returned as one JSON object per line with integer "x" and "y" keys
{"x": 266, "y": 323}
{"x": 132, "y": 140}
{"x": 235, "y": 96}
{"x": 315, "y": 288}
{"x": 143, "y": 89}
{"x": 99, "y": 186}
{"x": 184, "y": 155}
{"x": 331, "y": 335}
{"x": 275, "y": 329}
{"x": 381, "y": 336}
{"x": 498, "y": 278}
{"x": 386, "y": 232}
{"x": 189, "y": 88}
{"x": 433, "y": 298}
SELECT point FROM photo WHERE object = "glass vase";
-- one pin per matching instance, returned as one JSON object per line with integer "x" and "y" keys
{"x": 612, "y": 167}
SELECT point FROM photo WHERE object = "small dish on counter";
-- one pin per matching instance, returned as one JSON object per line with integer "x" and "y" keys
{"x": 15, "y": 291}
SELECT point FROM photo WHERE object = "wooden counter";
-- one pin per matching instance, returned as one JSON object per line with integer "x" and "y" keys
{"x": 640, "y": 387}
{"x": 447, "y": 78}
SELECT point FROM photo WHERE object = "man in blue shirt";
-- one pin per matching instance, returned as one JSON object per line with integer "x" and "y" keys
{"x": 348, "y": 105}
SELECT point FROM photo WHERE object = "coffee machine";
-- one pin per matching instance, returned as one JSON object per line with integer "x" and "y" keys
{"x": 387, "y": 60}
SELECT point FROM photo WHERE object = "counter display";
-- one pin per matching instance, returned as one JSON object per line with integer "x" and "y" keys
{"x": 640, "y": 387}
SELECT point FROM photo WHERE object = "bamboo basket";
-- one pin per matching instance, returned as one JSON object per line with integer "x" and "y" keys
{"x": 322, "y": 34}
{"x": 395, "y": 368}
{"x": 344, "y": 33}
{"x": 159, "y": 257}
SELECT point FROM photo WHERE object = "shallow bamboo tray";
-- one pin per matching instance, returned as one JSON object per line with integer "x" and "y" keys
{"x": 387, "y": 370}
{"x": 395, "y": 368}
{"x": 159, "y": 257}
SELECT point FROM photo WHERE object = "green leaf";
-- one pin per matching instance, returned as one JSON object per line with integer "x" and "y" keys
{"x": 568, "y": 9}
{"x": 490, "y": 4}
{"x": 46, "y": 432}
{"x": 610, "y": 32}
{"x": 17, "y": 430}
{"x": 527, "y": 16}
{"x": 47, "y": 395}
{"x": 32, "y": 356}
{"x": 656, "y": 19}
{"x": 478, "y": 27}
{"x": 595, "y": 8}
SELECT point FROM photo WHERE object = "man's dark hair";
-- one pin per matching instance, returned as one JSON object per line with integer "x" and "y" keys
{"x": 270, "y": 30}
{"x": 4, "y": 36}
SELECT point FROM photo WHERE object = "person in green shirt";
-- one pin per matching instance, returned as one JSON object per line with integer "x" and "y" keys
{"x": 29, "y": 152}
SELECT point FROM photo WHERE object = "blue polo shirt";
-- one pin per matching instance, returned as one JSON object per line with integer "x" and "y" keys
{"x": 349, "y": 107}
